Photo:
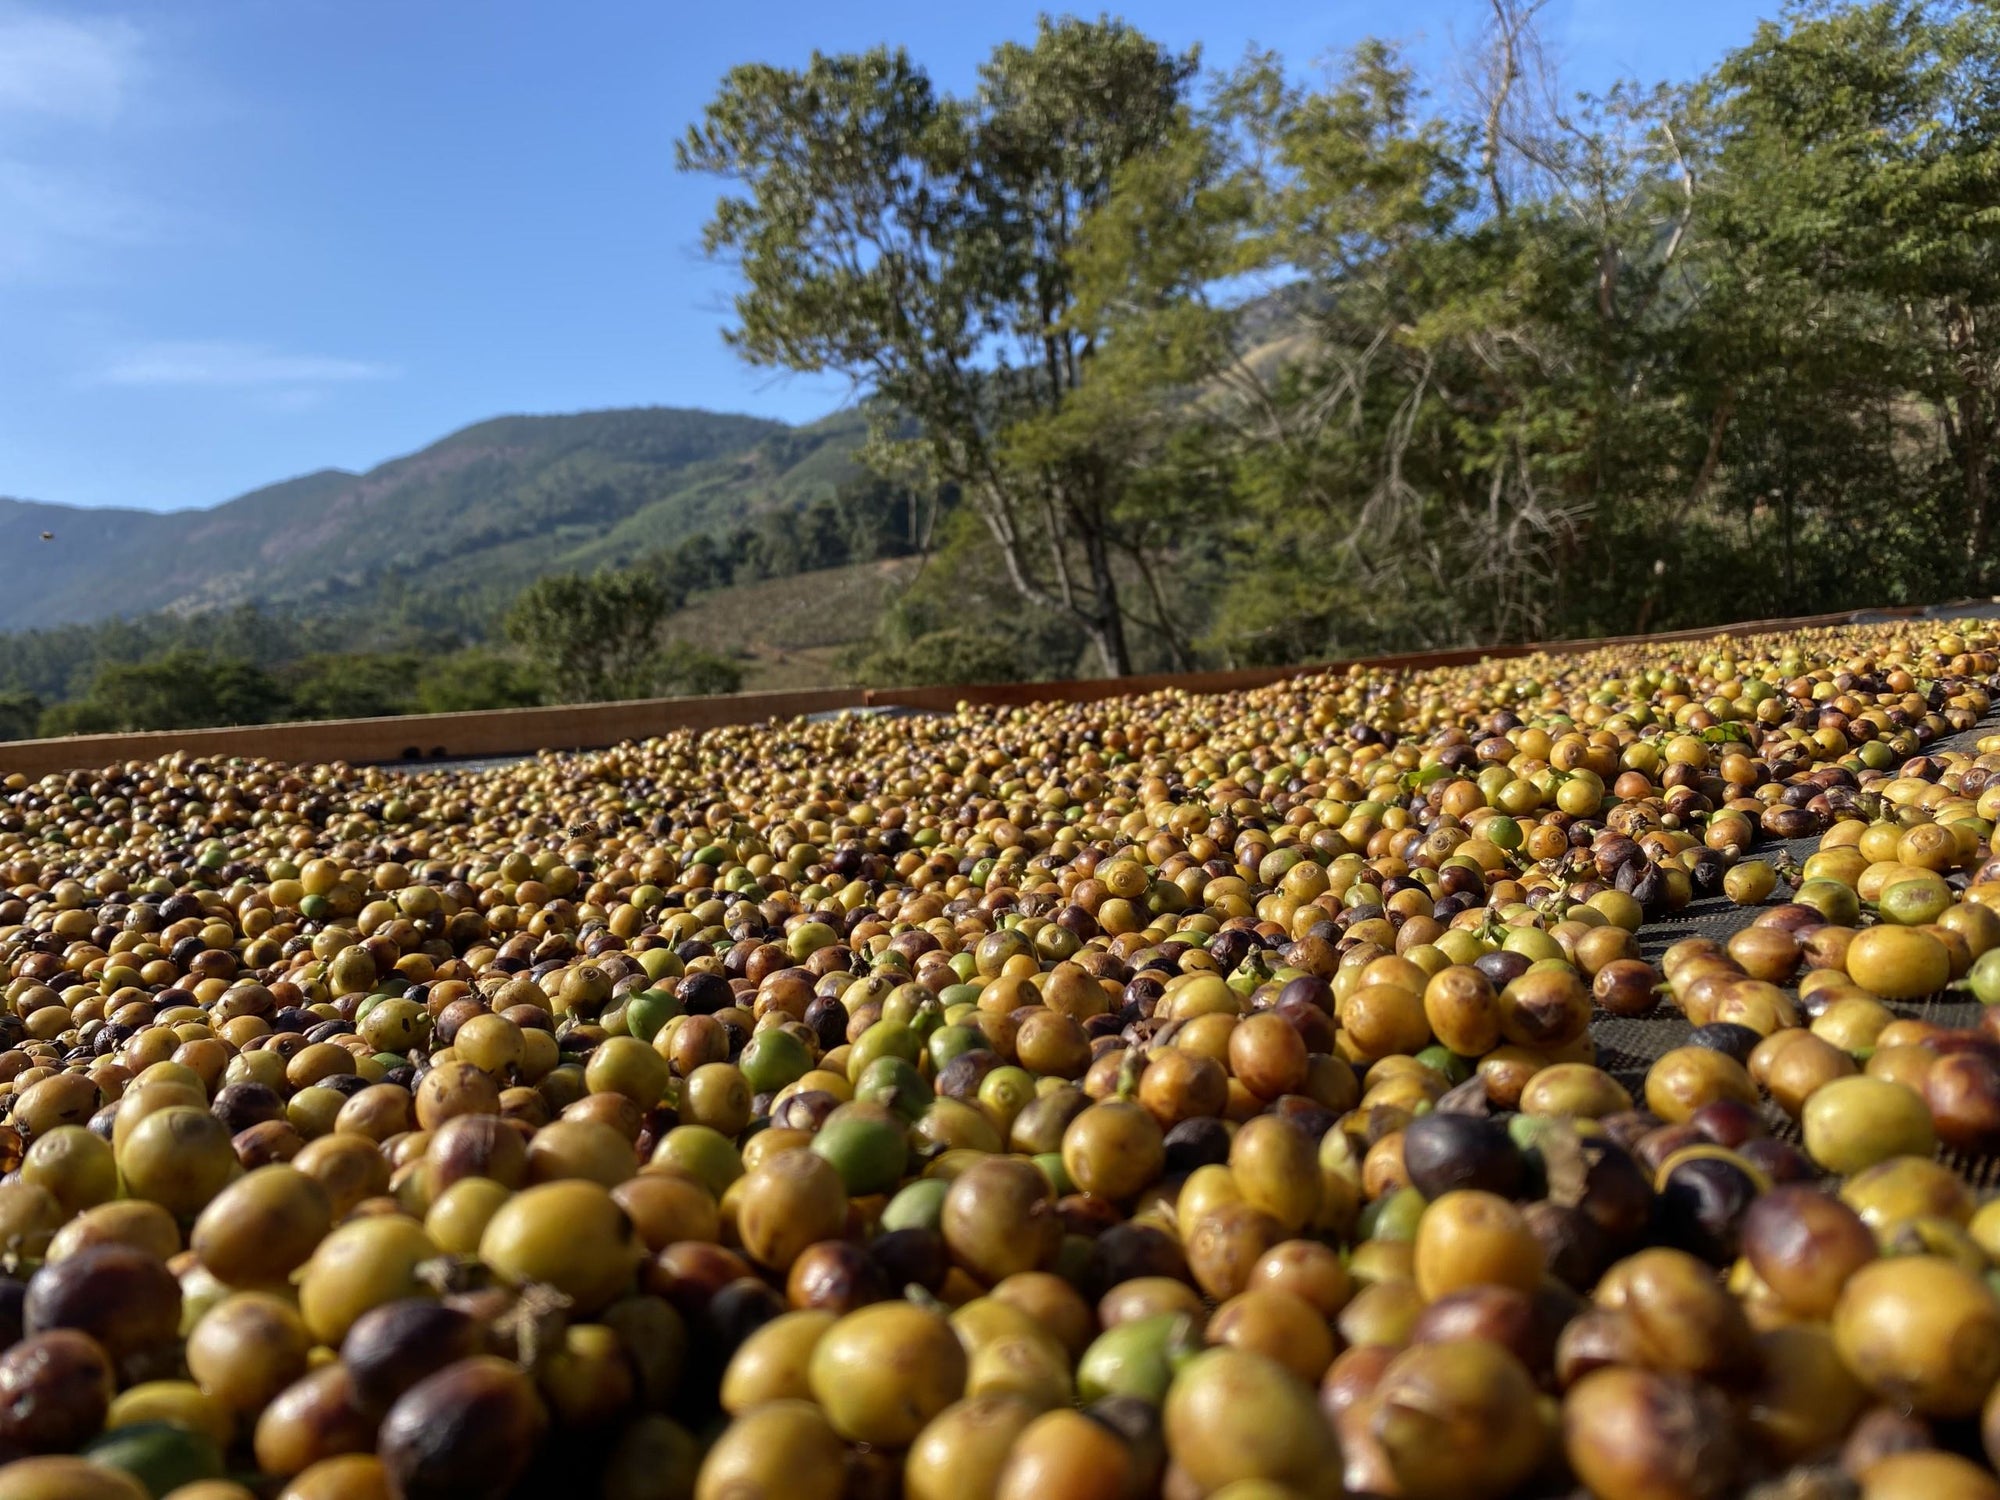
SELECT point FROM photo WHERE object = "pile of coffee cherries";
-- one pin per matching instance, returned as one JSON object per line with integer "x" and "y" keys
{"x": 1165, "y": 1095}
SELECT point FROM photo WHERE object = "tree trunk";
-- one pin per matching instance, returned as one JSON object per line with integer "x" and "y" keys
{"x": 1791, "y": 560}
{"x": 1979, "y": 543}
{"x": 1974, "y": 452}
{"x": 1107, "y": 630}
{"x": 1975, "y": 440}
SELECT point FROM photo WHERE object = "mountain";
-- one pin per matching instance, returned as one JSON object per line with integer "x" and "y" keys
{"x": 469, "y": 519}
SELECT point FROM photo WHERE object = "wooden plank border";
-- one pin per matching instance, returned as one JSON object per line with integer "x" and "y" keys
{"x": 523, "y": 731}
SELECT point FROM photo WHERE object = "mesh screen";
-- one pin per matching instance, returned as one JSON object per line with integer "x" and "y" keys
{"x": 1627, "y": 1047}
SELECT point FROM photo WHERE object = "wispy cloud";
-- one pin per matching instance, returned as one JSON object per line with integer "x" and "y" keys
{"x": 66, "y": 68}
{"x": 68, "y": 86}
{"x": 221, "y": 362}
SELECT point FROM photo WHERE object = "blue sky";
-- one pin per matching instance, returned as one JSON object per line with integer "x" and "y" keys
{"x": 245, "y": 239}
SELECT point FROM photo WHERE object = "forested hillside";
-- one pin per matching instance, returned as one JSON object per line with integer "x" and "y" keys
{"x": 467, "y": 521}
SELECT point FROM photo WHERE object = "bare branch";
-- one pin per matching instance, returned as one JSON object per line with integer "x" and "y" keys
{"x": 1511, "y": 56}
{"x": 1496, "y": 106}
{"x": 1177, "y": 645}
{"x": 1687, "y": 196}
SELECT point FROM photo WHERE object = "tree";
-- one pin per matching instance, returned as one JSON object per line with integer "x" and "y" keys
{"x": 698, "y": 563}
{"x": 941, "y": 658}
{"x": 593, "y": 636}
{"x": 876, "y": 517}
{"x": 476, "y": 679}
{"x": 183, "y": 689}
{"x": 958, "y": 620}
{"x": 920, "y": 244}
{"x": 682, "y": 669}
{"x": 1405, "y": 468}
{"x": 20, "y": 711}
{"x": 1853, "y": 186}
{"x": 355, "y": 685}
{"x": 1150, "y": 265}
{"x": 1408, "y": 431}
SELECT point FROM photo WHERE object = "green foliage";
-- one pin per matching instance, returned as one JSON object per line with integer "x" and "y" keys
{"x": 1311, "y": 368}
{"x": 183, "y": 689}
{"x": 681, "y": 669}
{"x": 1554, "y": 367}
{"x": 952, "y": 655}
{"x": 475, "y": 679}
{"x": 20, "y": 712}
{"x": 359, "y": 685}
{"x": 59, "y": 662}
{"x": 1849, "y": 232}
{"x": 594, "y": 636}
{"x": 921, "y": 243}
{"x": 961, "y": 615}
{"x": 868, "y": 517}
{"x": 1414, "y": 469}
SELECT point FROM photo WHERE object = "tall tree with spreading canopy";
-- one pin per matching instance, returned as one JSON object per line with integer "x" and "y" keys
{"x": 921, "y": 245}
{"x": 593, "y": 635}
{"x": 1851, "y": 225}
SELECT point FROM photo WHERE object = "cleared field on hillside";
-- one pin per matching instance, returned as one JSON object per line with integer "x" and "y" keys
{"x": 791, "y": 632}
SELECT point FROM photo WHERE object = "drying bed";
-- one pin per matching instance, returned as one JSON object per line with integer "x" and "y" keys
{"x": 1357, "y": 1082}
